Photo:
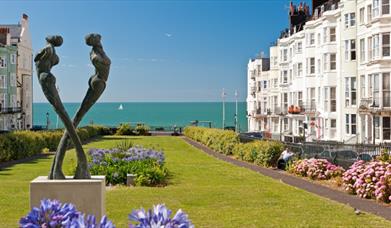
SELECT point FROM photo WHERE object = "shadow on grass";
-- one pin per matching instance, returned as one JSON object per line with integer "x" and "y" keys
{"x": 31, "y": 160}
{"x": 121, "y": 138}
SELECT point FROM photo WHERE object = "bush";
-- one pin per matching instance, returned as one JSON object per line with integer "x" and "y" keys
{"x": 370, "y": 180}
{"x": 142, "y": 130}
{"x": 124, "y": 129}
{"x": 22, "y": 144}
{"x": 316, "y": 169}
{"x": 264, "y": 153}
{"x": 115, "y": 164}
{"x": 222, "y": 141}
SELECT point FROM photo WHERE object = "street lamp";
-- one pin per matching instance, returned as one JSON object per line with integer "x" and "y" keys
{"x": 236, "y": 111}
{"x": 373, "y": 122}
{"x": 223, "y": 95}
{"x": 47, "y": 120}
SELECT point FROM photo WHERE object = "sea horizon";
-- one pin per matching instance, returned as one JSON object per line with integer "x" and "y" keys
{"x": 154, "y": 114}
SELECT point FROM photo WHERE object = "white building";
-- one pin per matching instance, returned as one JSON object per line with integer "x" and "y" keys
{"x": 20, "y": 38}
{"x": 329, "y": 76}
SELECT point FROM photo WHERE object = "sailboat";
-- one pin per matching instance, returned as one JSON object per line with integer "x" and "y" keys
{"x": 121, "y": 107}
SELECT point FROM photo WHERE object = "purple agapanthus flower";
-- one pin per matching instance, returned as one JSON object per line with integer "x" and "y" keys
{"x": 159, "y": 217}
{"x": 54, "y": 214}
{"x": 135, "y": 153}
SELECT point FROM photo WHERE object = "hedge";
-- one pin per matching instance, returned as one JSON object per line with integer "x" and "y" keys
{"x": 263, "y": 153}
{"x": 222, "y": 141}
{"x": 22, "y": 144}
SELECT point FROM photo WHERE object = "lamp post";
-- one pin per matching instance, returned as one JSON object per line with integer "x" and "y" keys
{"x": 373, "y": 105}
{"x": 223, "y": 95}
{"x": 47, "y": 120}
{"x": 58, "y": 89}
{"x": 236, "y": 111}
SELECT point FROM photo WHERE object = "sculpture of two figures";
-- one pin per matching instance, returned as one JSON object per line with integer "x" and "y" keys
{"x": 44, "y": 61}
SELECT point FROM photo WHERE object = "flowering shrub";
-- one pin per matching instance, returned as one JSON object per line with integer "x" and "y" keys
{"x": 115, "y": 164}
{"x": 159, "y": 217}
{"x": 369, "y": 180}
{"x": 53, "y": 214}
{"x": 316, "y": 169}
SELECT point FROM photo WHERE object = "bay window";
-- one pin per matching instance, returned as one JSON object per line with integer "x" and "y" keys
{"x": 333, "y": 99}
{"x": 369, "y": 13}
{"x": 350, "y": 91}
{"x": 351, "y": 124}
{"x": 370, "y": 55}
{"x": 350, "y": 20}
{"x": 329, "y": 61}
{"x": 376, "y": 8}
{"x": 386, "y": 128}
{"x": 386, "y": 90}
{"x": 362, "y": 11}
{"x": 332, "y": 34}
{"x": 362, "y": 50}
{"x": 375, "y": 46}
{"x": 350, "y": 50}
{"x": 330, "y": 98}
{"x": 385, "y": 7}
{"x": 362, "y": 86}
{"x": 311, "y": 65}
{"x": 386, "y": 44}
{"x": 299, "y": 69}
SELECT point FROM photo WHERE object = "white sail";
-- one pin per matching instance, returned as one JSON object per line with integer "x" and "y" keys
{"x": 120, "y": 107}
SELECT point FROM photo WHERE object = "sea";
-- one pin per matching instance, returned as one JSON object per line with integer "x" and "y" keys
{"x": 153, "y": 114}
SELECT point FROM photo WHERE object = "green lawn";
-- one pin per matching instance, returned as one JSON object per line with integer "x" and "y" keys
{"x": 212, "y": 192}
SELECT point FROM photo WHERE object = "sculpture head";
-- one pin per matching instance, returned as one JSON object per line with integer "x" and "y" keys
{"x": 93, "y": 39}
{"x": 54, "y": 40}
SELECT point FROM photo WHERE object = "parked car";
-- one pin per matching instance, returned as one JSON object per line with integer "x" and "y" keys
{"x": 250, "y": 136}
{"x": 344, "y": 158}
{"x": 230, "y": 128}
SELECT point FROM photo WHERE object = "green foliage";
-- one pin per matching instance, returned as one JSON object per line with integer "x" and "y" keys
{"x": 384, "y": 156}
{"x": 222, "y": 141}
{"x": 124, "y": 129}
{"x": 142, "y": 129}
{"x": 148, "y": 172}
{"x": 264, "y": 153}
{"x": 124, "y": 145}
{"x": 22, "y": 144}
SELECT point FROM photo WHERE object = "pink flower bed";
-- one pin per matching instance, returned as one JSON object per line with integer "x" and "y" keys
{"x": 370, "y": 180}
{"x": 316, "y": 169}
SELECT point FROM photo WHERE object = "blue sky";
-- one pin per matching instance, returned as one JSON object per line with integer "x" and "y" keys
{"x": 160, "y": 50}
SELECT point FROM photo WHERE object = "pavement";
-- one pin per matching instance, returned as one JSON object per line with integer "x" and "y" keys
{"x": 364, "y": 205}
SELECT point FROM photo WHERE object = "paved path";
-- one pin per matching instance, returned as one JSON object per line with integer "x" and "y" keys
{"x": 354, "y": 201}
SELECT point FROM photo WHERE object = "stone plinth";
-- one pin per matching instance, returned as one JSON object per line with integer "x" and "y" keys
{"x": 87, "y": 195}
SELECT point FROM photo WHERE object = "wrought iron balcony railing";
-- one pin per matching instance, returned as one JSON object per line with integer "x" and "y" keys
{"x": 10, "y": 110}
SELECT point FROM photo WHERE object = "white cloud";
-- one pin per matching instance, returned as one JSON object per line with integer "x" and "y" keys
{"x": 169, "y": 35}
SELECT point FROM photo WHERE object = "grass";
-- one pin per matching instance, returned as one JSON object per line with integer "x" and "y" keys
{"x": 212, "y": 192}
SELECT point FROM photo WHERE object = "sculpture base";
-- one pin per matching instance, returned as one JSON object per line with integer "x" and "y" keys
{"x": 87, "y": 195}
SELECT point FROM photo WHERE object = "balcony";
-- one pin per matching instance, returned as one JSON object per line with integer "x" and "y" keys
{"x": 261, "y": 113}
{"x": 10, "y": 110}
{"x": 375, "y": 105}
{"x": 302, "y": 109}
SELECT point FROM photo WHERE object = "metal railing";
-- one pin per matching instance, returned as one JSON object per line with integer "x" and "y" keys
{"x": 10, "y": 110}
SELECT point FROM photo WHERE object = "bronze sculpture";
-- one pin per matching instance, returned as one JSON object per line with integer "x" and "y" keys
{"x": 97, "y": 84}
